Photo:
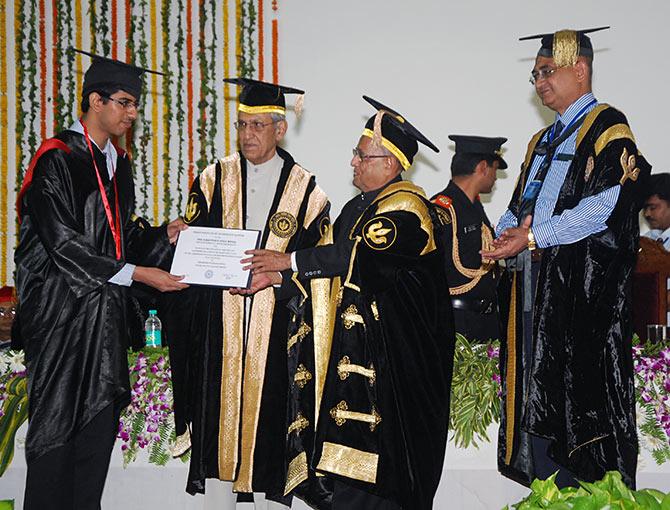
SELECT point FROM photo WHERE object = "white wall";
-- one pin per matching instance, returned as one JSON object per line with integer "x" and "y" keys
{"x": 457, "y": 67}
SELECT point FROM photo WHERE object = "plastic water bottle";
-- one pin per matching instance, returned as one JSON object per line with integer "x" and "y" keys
{"x": 152, "y": 330}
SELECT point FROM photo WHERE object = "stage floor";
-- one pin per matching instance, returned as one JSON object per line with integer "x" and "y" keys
{"x": 469, "y": 482}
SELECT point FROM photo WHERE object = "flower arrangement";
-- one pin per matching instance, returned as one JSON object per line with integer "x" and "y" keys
{"x": 652, "y": 388}
{"x": 147, "y": 424}
{"x": 475, "y": 391}
{"x": 13, "y": 403}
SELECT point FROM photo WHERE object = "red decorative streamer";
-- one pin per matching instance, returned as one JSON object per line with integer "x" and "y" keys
{"x": 275, "y": 45}
{"x": 115, "y": 34}
{"x": 189, "y": 87}
{"x": 261, "y": 42}
{"x": 43, "y": 72}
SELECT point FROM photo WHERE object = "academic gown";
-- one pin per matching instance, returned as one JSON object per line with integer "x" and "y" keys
{"x": 70, "y": 321}
{"x": 230, "y": 377}
{"x": 577, "y": 388}
{"x": 384, "y": 399}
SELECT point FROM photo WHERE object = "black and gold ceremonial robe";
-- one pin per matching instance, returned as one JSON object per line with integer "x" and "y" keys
{"x": 577, "y": 387}
{"x": 473, "y": 282}
{"x": 70, "y": 320}
{"x": 231, "y": 375}
{"x": 383, "y": 402}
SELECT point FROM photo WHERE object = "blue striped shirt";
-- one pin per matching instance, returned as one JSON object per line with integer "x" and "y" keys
{"x": 587, "y": 217}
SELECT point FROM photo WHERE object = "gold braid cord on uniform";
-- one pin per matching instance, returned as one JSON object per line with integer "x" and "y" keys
{"x": 473, "y": 274}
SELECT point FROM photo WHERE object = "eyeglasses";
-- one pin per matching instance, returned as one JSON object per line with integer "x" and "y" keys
{"x": 126, "y": 104}
{"x": 362, "y": 156}
{"x": 541, "y": 74}
{"x": 254, "y": 125}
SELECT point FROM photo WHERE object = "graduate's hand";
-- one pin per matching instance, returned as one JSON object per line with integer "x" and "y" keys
{"x": 259, "y": 282}
{"x": 173, "y": 229}
{"x": 510, "y": 243}
{"x": 158, "y": 279}
{"x": 264, "y": 261}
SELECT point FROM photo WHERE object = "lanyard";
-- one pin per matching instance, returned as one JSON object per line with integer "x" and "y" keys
{"x": 113, "y": 221}
{"x": 574, "y": 119}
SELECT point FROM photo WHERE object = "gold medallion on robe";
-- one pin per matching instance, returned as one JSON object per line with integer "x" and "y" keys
{"x": 283, "y": 224}
{"x": 380, "y": 233}
{"x": 192, "y": 209}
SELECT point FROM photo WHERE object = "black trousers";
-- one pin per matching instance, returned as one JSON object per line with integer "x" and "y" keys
{"x": 544, "y": 466}
{"x": 72, "y": 476}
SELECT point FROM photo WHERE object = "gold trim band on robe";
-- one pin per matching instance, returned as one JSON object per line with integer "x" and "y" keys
{"x": 233, "y": 331}
{"x": 260, "y": 325}
{"x": 297, "y": 472}
{"x": 346, "y": 367}
{"x": 350, "y": 462}
{"x": 510, "y": 374}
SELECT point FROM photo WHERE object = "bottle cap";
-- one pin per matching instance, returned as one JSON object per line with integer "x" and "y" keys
{"x": 152, "y": 312}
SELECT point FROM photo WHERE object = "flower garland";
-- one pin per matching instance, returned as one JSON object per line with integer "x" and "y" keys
{"x": 4, "y": 143}
{"x": 140, "y": 146}
{"x": 204, "y": 87}
{"x": 69, "y": 107}
{"x": 226, "y": 74}
{"x": 93, "y": 19}
{"x": 30, "y": 65}
{"x": 103, "y": 29}
{"x": 19, "y": 53}
{"x": 43, "y": 69}
{"x": 189, "y": 87}
{"x": 167, "y": 108}
{"x": 214, "y": 87}
{"x": 179, "y": 100}
{"x": 154, "y": 107}
{"x": 247, "y": 23}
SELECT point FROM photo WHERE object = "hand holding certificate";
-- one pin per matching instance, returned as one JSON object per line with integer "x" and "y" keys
{"x": 211, "y": 256}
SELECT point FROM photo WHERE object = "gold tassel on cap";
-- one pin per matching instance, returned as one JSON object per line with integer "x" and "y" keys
{"x": 377, "y": 129}
{"x": 299, "y": 104}
{"x": 565, "y": 48}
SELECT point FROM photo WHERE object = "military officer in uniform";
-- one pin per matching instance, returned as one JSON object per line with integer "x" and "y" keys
{"x": 467, "y": 229}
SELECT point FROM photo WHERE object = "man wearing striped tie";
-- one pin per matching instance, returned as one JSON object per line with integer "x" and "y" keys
{"x": 570, "y": 237}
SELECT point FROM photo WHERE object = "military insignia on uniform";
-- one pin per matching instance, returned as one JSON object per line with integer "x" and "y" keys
{"x": 192, "y": 209}
{"x": 380, "y": 233}
{"x": 630, "y": 171}
{"x": 443, "y": 201}
{"x": 589, "y": 168}
{"x": 283, "y": 224}
{"x": 443, "y": 216}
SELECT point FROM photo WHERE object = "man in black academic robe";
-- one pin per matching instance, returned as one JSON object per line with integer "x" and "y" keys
{"x": 229, "y": 351}
{"x": 466, "y": 231}
{"x": 369, "y": 405}
{"x": 78, "y": 252}
{"x": 566, "y": 364}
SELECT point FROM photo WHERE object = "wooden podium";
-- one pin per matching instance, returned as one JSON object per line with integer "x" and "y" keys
{"x": 650, "y": 288}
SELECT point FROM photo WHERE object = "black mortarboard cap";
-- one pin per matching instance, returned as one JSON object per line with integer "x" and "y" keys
{"x": 480, "y": 146}
{"x": 565, "y": 46}
{"x": 262, "y": 97}
{"x": 105, "y": 71}
{"x": 396, "y": 133}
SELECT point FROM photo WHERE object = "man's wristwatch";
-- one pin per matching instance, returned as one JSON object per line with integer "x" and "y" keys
{"x": 531, "y": 240}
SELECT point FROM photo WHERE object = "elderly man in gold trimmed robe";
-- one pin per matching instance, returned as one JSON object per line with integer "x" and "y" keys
{"x": 370, "y": 410}
{"x": 230, "y": 361}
